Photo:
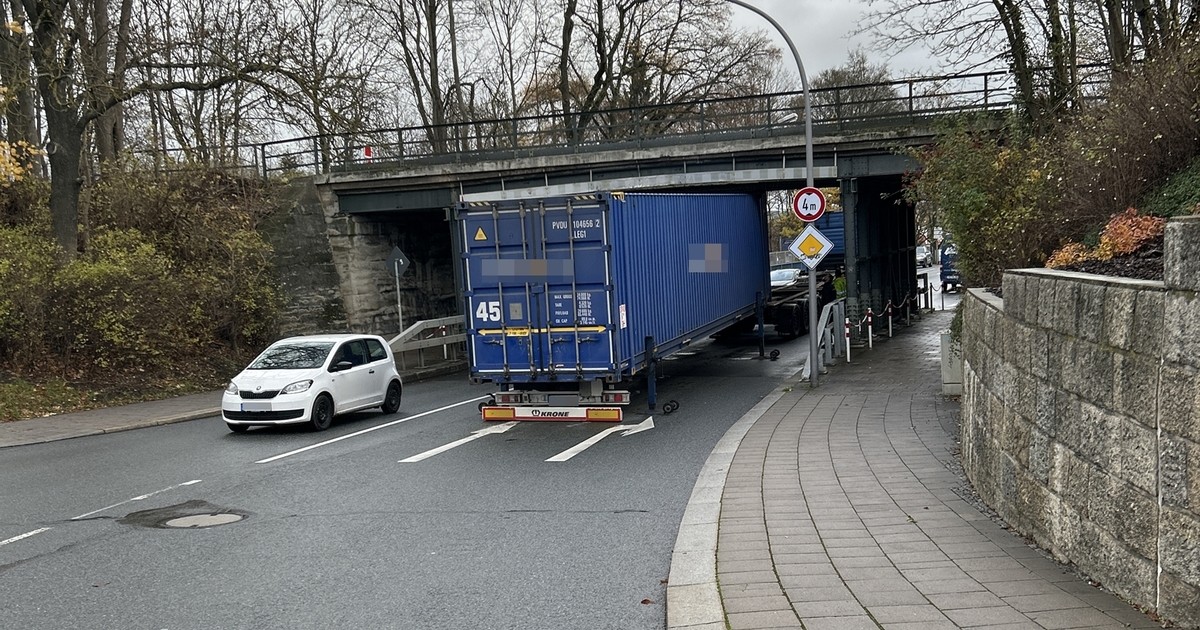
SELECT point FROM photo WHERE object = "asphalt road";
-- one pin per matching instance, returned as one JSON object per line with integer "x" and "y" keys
{"x": 343, "y": 534}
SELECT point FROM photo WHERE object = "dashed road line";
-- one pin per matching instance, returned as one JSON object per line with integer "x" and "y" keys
{"x": 375, "y": 428}
{"x": 137, "y": 498}
{"x": 24, "y": 536}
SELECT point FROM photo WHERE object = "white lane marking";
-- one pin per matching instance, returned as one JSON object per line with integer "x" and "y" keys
{"x": 137, "y": 498}
{"x": 645, "y": 425}
{"x": 24, "y": 536}
{"x": 358, "y": 433}
{"x": 475, "y": 435}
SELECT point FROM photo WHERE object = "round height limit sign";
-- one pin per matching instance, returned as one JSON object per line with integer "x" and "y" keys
{"x": 808, "y": 204}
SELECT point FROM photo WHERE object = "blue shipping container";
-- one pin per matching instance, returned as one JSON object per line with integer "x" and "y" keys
{"x": 833, "y": 226}
{"x": 567, "y": 289}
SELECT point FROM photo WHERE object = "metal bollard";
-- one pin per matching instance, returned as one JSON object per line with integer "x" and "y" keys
{"x": 870, "y": 329}
{"x": 847, "y": 340}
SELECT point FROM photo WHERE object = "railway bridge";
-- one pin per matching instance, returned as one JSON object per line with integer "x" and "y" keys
{"x": 375, "y": 192}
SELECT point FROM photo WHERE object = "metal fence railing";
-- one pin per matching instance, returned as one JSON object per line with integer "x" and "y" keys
{"x": 422, "y": 338}
{"x": 835, "y": 110}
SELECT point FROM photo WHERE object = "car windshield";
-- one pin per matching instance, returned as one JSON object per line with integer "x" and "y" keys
{"x": 782, "y": 274}
{"x": 293, "y": 356}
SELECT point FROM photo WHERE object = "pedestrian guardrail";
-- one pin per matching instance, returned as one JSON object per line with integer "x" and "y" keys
{"x": 827, "y": 346}
{"x": 421, "y": 338}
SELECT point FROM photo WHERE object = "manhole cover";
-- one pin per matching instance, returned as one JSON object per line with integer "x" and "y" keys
{"x": 192, "y": 514}
{"x": 203, "y": 520}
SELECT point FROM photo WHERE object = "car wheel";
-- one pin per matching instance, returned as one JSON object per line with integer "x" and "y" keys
{"x": 237, "y": 428}
{"x": 322, "y": 413}
{"x": 391, "y": 401}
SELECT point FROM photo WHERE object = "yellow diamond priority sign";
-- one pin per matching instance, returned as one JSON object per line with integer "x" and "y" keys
{"x": 811, "y": 246}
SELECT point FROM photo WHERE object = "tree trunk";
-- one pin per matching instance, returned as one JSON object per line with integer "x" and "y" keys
{"x": 20, "y": 117}
{"x": 109, "y": 126}
{"x": 564, "y": 66}
{"x": 1009, "y": 13}
{"x": 459, "y": 107}
{"x": 65, "y": 148}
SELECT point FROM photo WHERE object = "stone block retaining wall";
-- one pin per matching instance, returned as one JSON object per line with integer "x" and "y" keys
{"x": 1081, "y": 420}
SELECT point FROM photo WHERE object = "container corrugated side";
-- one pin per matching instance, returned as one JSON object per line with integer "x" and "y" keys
{"x": 538, "y": 289}
{"x": 685, "y": 266}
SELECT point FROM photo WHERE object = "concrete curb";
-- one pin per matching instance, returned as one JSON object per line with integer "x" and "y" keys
{"x": 76, "y": 432}
{"x": 417, "y": 375}
{"x": 693, "y": 596}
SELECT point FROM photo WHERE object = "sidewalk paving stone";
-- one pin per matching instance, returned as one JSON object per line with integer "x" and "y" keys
{"x": 865, "y": 521}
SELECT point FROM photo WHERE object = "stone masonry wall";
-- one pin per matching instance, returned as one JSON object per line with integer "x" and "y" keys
{"x": 361, "y": 245}
{"x": 333, "y": 272}
{"x": 1081, "y": 420}
{"x": 304, "y": 263}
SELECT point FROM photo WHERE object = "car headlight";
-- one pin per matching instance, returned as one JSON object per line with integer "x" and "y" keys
{"x": 231, "y": 389}
{"x": 297, "y": 387}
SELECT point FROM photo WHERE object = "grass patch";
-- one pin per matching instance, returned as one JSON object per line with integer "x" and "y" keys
{"x": 1178, "y": 196}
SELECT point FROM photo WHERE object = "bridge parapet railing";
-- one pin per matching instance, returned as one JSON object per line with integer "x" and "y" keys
{"x": 840, "y": 109}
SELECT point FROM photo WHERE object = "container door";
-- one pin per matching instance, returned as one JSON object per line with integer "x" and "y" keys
{"x": 577, "y": 341}
{"x": 501, "y": 301}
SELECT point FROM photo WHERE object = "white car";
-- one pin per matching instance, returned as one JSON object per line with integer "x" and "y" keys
{"x": 924, "y": 258}
{"x": 310, "y": 380}
{"x": 784, "y": 277}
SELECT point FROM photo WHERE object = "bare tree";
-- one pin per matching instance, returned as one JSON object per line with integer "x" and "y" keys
{"x": 323, "y": 83}
{"x": 514, "y": 28}
{"x": 857, "y": 89}
{"x": 75, "y": 91}
{"x": 636, "y": 52}
{"x": 1044, "y": 42}
{"x": 16, "y": 66}
{"x": 422, "y": 42}
{"x": 204, "y": 126}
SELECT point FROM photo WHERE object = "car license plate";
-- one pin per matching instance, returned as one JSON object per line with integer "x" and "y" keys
{"x": 256, "y": 406}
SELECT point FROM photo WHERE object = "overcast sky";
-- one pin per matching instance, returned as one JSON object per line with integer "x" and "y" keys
{"x": 821, "y": 31}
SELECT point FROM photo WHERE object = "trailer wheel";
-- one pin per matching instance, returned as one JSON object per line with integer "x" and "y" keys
{"x": 486, "y": 403}
{"x": 670, "y": 406}
{"x": 794, "y": 325}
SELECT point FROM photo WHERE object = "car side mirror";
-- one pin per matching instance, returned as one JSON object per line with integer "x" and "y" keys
{"x": 342, "y": 366}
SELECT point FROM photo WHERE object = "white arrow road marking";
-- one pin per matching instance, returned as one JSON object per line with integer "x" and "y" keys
{"x": 137, "y": 498}
{"x": 358, "y": 433}
{"x": 475, "y": 435}
{"x": 645, "y": 425}
{"x": 24, "y": 536}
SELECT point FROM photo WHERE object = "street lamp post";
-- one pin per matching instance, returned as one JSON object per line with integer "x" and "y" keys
{"x": 808, "y": 172}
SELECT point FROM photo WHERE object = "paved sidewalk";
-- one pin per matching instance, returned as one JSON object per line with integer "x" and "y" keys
{"x": 842, "y": 508}
{"x": 146, "y": 414}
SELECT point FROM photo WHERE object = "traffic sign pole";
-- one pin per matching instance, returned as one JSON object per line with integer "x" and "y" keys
{"x": 399, "y": 307}
{"x": 399, "y": 264}
{"x": 808, "y": 204}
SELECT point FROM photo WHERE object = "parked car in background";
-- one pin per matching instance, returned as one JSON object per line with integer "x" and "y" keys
{"x": 784, "y": 277}
{"x": 310, "y": 380}
{"x": 924, "y": 256}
